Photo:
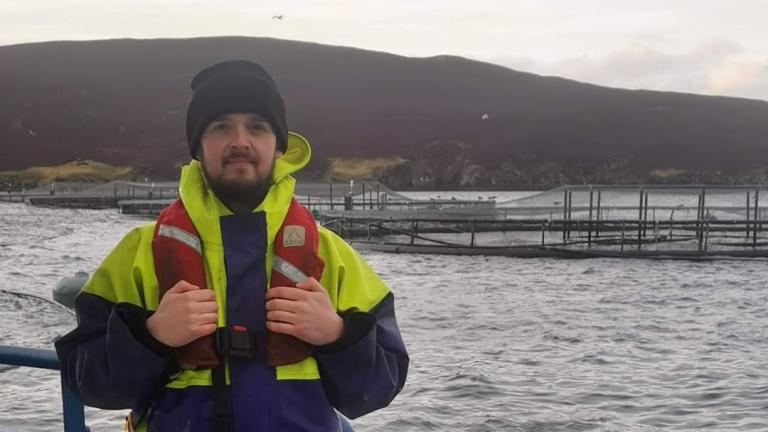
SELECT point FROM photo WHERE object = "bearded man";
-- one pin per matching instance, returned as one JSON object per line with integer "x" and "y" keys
{"x": 234, "y": 311}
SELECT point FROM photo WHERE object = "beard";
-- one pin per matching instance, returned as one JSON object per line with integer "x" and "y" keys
{"x": 240, "y": 196}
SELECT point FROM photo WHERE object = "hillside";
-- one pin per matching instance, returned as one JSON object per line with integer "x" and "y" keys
{"x": 75, "y": 171}
{"x": 456, "y": 121}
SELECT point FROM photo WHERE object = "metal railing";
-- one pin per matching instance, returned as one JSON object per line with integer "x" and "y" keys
{"x": 74, "y": 415}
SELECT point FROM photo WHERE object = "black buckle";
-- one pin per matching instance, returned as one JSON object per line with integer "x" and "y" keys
{"x": 236, "y": 341}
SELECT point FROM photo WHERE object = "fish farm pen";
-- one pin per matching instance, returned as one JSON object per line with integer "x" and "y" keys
{"x": 576, "y": 221}
{"x": 87, "y": 195}
{"x": 145, "y": 198}
{"x": 690, "y": 222}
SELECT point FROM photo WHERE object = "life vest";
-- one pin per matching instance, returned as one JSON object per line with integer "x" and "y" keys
{"x": 178, "y": 255}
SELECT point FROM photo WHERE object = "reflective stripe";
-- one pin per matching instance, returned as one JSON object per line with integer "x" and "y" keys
{"x": 288, "y": 270}
{"x": 182, "y": 236}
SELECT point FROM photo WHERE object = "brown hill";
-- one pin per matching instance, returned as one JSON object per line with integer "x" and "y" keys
{"x": 124, "y": 102}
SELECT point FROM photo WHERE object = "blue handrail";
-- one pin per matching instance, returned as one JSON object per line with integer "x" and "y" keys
{"x": 74, "y": 416}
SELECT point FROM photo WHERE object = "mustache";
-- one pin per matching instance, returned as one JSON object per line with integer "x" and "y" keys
{"x": 239, "y": 156}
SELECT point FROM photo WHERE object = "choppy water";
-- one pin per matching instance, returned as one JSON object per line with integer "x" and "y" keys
{"x": 497, "y": 344}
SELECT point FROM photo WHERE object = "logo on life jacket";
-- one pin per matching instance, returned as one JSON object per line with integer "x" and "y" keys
{"x": 293, "y": 236}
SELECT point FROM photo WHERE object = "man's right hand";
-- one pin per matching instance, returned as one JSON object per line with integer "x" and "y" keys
{"x": 185, "y": 313}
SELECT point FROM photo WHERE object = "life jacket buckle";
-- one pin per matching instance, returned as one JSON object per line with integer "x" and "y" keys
{"x": 237, "y": 341}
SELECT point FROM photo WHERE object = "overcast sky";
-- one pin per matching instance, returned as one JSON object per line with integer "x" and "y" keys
{"x": 701, "y": 46}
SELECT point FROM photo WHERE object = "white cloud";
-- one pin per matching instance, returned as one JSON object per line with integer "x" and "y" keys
{"x": 740, "y": 76}
{"x": 715, "y": 67}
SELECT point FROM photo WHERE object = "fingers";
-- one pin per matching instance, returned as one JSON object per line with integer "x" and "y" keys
{"x": 203, "y": 307}
{"x": 195, "y": 302}
{"x": 310, "y": 284}
{"x": 282, "y": 316}
{"x": 283, "y": 305}
{"x": 204, "y": 330}
{"x": 208, "y": 318}
{"x": 281, "y": 327}
{"x": 193, "y": 291}
{"x": 183, "y": 286}
{"x": 288, "y": 293}
{"x": 201, "y": 295}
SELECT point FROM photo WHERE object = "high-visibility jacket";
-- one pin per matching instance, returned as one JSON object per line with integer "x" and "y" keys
{"x": 111, "y": 361}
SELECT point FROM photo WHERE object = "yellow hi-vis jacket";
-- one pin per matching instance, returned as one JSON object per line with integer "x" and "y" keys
{"x": 111, "y": 361}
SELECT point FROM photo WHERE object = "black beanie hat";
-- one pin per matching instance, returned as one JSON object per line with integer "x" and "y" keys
{"x": 235, "y": 86}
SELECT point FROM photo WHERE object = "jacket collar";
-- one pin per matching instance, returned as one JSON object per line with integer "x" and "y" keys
{"x": 205, "y": 209}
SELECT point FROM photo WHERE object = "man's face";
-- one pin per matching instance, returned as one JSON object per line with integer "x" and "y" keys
{"x": 238, "y": 150}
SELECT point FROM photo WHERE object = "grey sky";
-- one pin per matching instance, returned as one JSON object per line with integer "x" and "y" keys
{"x": 700, "y": 46}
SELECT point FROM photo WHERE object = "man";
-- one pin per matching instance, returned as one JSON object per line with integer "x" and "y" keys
{"x": 234, "y": 311}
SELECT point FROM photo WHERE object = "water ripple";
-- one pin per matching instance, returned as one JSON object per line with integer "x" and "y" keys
{"x": 497, "y": 344}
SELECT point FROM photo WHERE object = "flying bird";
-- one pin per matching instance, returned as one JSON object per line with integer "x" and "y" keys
{"x": 278, "y": 17}
{"x": 485, "y": 117}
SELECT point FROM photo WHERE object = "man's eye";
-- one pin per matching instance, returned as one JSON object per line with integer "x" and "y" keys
{"x": 258, "y": 127}
{"x": 219, "y": 127}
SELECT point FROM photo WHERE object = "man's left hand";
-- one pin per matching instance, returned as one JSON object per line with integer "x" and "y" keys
{"x": 304, "y": 312}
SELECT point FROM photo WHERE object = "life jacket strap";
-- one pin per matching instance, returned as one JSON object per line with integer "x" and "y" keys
{"x": 223, "y": 419}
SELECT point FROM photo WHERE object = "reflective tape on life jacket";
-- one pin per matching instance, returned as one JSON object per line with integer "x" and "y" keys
{"x": 179, "y": 234}
{"x": 288, "y": 270}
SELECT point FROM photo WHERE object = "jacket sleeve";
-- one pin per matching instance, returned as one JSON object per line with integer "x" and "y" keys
{"x": 367, "y": 367}
{"x": 110, "y": 360}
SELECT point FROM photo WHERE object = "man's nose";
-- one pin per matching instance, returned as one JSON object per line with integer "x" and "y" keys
{"x": 240, "y": 137}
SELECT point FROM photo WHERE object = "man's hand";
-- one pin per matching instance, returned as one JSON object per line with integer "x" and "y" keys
{"x": 304, "y": 312}
{"x": 185, "y": 313}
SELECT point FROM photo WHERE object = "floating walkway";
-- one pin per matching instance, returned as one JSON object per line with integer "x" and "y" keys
{"x": 668, "y": 222}
{"x": 147, "y": 198}
{"x": 679, "y": 221}
{"x": 93, "y": 195}
{"x": 558, "y": 252}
